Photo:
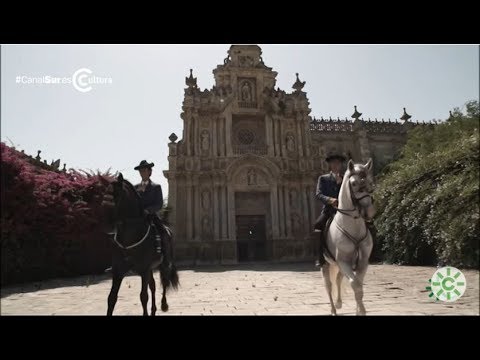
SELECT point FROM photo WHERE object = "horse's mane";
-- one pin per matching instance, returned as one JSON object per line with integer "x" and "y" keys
{"x": 106, "y": 178}
{"x": 131, "y": 188}
{"x": 135, "y": 193}
{"x": 344, "y": 194}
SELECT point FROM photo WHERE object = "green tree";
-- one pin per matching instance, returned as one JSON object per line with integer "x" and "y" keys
{"x": 427, "y": 200}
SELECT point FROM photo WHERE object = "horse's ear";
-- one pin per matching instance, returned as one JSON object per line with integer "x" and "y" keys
{"x": 369, "y": 164}
{"x": 120, "y": 177}
{"x": 350, "y": 165}
{"x": 104, "y": 181}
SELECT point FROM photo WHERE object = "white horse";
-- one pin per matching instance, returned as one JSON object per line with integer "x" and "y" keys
{"x": 348, "y": 239}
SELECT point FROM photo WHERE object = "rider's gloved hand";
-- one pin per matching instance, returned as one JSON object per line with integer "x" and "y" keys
{"x": 148, "y": 214}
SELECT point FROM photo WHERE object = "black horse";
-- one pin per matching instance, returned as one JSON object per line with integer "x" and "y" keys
{"x": 134, "y": 244}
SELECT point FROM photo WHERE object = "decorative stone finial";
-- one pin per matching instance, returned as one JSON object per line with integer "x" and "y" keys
{"x": 298, "y": 85}
{"x": 173, "y": 137}
{"x": 190, "y": 81}
{"x": 356, "y": 115}
{"x": 405, "y": 116}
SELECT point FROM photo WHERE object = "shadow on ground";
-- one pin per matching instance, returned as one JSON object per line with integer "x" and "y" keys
{"x": 256, "y": 266}
{"x": 85, "y": 280}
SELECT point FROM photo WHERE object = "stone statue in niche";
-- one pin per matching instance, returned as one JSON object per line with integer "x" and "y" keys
{"x": 206, "y": 200}
{"x": 246, "y": 91}
{"x": 205, "y": 140}
{"x": 296, "y": 223}
{"x": 290, "y": 143}
{"x": 206, "y": 225}
{"x": 294, "y": 198}
{"x": 251, "y": 177}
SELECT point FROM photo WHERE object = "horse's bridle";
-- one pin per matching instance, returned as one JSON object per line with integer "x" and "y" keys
{"x": 355, "y": 202}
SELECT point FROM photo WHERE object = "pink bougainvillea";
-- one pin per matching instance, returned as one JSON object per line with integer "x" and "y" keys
{"x": 51, "y": 221}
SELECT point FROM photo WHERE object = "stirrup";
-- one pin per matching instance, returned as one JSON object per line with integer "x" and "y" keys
{"x": 318, "y": 263}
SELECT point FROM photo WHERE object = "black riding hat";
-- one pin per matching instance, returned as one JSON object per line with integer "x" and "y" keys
{"x": 335, "y": 156}
{"x": 144, "y": 164}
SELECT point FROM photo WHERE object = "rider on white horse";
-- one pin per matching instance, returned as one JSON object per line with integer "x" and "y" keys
{"x": 328, "y": 188}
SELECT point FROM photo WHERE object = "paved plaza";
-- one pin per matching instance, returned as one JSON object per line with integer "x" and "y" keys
{"x": 260, "y": 289}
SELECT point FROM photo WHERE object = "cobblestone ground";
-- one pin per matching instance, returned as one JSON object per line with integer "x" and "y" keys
{"x": 262, "y": 289}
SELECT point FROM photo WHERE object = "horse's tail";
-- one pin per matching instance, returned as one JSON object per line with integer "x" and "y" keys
{"x": 168, "y": 270}
{"x": 169, "y": 276}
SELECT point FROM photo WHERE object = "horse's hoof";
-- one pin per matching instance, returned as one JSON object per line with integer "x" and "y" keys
{"x": 164, "y": 307}
{"x": 333, "y": 312}
{"x": 338, "y": 305}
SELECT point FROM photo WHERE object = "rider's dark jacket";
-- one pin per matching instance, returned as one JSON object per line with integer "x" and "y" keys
{"x": 152, "y": 197}
{"x": 327, "y": 191}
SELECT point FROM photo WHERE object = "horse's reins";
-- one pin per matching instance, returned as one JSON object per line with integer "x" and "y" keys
{"x": 116, "y": 232}
{"x": 133, "y": 245}
{"x": 354, "y": 201}
{"x": 355, "y": 241}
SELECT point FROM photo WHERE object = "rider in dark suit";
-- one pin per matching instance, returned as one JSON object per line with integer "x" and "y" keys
{"x": 328, "y": 188}
{"x": 152, "y": 199}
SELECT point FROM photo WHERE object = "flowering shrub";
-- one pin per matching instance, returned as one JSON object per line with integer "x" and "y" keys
{"x": 428, "y": 200}
{"x": 51, "y": 221}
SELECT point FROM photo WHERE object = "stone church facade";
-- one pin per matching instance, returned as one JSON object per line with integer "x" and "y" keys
{"x": 242, "y": 178}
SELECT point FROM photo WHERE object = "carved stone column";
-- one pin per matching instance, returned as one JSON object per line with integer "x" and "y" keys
{"x": 288, "y": 222}
{"x": 228, "y": 134}
{"x": 281, "y": 210}
{"x": 214, "y": 136}
{"x": 223, "y": 211}
{"x": 216, "y": 214}
{"x": 231, "y": 213}
{"x": 305, "y": 210}
{"x": 197, "y": 215}
{"x": 274, "y": 211}
{"x": 269, "y": 135}
{"x": 189, "y": 204}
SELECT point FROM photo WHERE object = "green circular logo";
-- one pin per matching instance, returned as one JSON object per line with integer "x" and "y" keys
{"x": 447, "y": 284}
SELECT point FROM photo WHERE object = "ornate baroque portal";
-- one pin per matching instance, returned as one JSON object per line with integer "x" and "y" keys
{"x": 242, "y": 179}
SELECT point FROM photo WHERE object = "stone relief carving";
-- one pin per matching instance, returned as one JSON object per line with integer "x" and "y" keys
{"x": 245, "y": 136}
{"x": 206, "y": 225}
{"x": 245, "y": 61}
{"x": 206, "y": 200}
{"x": 296, "y": 223}
{"x": 251, "y": 177}
{"x": 290, "y": 143}
{"x": 205, "y": 140}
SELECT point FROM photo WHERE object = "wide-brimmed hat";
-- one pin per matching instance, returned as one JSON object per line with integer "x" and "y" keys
{"x": 335, "y": 156}
{"x": 144, "y": 164}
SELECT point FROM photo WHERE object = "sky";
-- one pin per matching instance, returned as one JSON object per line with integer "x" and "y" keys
{"x": 130, "y": 116}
